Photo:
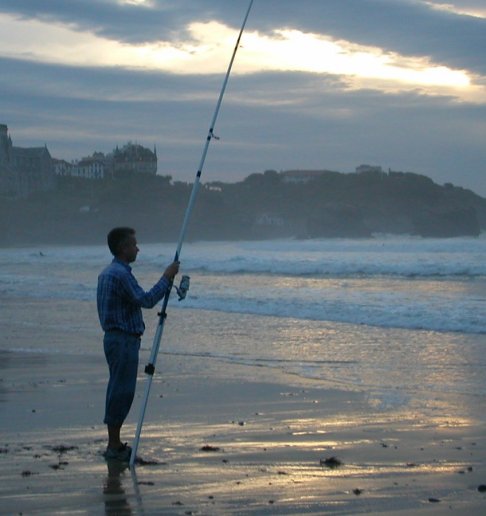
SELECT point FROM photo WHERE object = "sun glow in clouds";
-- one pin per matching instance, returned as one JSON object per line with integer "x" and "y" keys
{"x": 284, "y": 50}
{"x": 456, "y": 9}
{"x": 296, "y": 51}
{"x": 139, "y": 3}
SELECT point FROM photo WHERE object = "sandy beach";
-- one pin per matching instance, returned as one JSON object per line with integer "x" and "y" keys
{"x": 219, "y": 438}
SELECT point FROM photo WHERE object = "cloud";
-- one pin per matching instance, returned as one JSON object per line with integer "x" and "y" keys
{"x": 315, "y": 85}
{"x": 311, "y": 123}
{"x": 405, "y": 27}
{"x": 208, "y": 48}
{"x": 475, "y": 8}
{"x": 410, "y": 28}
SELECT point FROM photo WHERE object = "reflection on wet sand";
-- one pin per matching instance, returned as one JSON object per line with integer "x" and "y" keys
{"x": 220, "y": 441}
{"x": 114, "y": 495}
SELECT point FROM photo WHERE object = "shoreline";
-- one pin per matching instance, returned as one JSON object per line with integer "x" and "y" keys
{"x": 268, "y": 442}
{"x": 97, "y": 242}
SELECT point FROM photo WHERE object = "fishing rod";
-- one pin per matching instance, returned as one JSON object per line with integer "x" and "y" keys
{"x": 150, "y": 367}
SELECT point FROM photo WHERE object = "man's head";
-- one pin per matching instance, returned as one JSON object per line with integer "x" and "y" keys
{"x": 123, "y": 244}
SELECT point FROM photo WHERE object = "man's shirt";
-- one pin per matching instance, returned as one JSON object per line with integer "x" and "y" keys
{"x": 120, "y": 298}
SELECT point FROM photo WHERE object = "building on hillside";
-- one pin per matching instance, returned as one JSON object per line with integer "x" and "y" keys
{"x": 97, "y": 166}
{"x": 23, "y": 171}
{"x": 89, "y": 168}
{"x": 130, "y": 159}
{"x": 86, "y": 168}
{"x": 301, "y": 176}
{"x": 366, "y": 169}
{"x": 133, "y": 159}
{"x": 62, "y": 167}
{"x": 8, "y": 177}
{"x": 267, "y": 219}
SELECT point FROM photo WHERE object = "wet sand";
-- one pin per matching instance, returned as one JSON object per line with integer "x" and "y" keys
{"x": 222, "y": 438}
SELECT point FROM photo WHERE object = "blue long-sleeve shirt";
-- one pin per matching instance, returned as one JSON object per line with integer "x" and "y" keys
{"x": 120, "y": 298}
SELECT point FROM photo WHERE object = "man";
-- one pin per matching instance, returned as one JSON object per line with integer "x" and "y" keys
{"x": 120, "y": 300}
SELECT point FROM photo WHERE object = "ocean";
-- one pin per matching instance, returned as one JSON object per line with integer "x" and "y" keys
{"x": 401, "y": 318}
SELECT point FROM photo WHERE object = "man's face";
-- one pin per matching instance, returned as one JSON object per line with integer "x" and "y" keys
{"x": 130, "y": 249}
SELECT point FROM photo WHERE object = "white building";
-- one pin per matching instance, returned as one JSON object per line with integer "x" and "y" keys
{"x": 89, "y": 168}
{"x": 62, "y": 167}
{"x": 362, "y": 169}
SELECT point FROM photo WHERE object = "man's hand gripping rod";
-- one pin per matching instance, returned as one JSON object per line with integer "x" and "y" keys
{"x": 150, "y": 367}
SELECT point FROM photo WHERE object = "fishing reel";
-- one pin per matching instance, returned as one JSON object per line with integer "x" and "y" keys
{"x": 183, "y": 287}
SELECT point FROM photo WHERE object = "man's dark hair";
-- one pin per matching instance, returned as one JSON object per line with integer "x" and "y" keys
{"x": 117, "y": 238}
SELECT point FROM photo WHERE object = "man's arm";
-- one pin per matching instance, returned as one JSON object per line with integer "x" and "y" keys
{"x": 135, "y": 294}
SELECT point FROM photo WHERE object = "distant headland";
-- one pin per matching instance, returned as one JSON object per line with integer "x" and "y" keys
{"x": 49, "y": 201}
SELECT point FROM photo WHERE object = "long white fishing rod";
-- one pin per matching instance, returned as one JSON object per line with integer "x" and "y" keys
{"x": 150, "y": 367}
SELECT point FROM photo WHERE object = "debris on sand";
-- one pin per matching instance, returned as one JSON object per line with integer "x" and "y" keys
{"x": 61, "y": 448}
{"x": 27, "y": 473}
{"x": 207, "y": 448}
{"x": 331, "y": 462}
{"x": 142, "y": 462}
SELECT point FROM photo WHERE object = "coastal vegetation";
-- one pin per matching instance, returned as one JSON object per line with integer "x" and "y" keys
{"x": 263, "y": 205}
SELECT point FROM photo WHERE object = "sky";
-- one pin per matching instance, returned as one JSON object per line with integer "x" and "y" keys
{"x": 316, "y": 84}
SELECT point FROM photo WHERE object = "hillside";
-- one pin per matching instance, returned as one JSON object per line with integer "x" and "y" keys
{"x": 262, "y": 206}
